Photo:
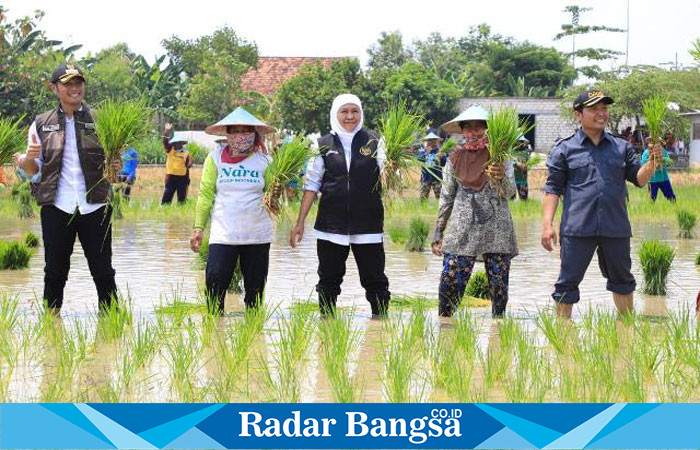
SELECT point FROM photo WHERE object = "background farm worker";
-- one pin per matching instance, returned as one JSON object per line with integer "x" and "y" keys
{"x": 72, "y": 190}
{"x": 177, "y": 166}
{"x": 660, "y": 179}
{"x": 130, "y": 159}
{"x": 433, "y": 162}
{"x": 350, "y": 215}
{"x": 230, "y": 194}
{"x": 589, "y": 169}
{"x": 473, "y": 221}
{"x": 520, "y": 169}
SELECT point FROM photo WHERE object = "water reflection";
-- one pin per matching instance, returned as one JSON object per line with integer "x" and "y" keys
{"x": 154, "y": 264}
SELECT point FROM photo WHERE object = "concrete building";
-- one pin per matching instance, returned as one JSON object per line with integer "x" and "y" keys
{"x": 543, "y": 112}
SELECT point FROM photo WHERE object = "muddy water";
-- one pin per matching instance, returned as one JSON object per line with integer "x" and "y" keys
{"x": 153, "y": 264}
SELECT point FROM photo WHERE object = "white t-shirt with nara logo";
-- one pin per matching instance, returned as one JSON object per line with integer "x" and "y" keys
{"x": 238, "y": 216}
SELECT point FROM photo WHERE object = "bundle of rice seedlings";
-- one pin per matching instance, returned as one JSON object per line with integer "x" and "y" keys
{"x": 655, "y": 258}
{"x": 448, "y": 146}
{"x": 12, "y": 138}
{"x": 287, "y": 165}
{"x": 654, "y": 109}
{"x": 534, "y": 160}
{"x": 117, "y": 202}
{"x": 400, "y": 129}
{"x": 22, "y": 195}
{"x": 119, "y": 125}
{"x": 31, "y": 239}
{"x": 686, "y": 222}
{"x": 478, "y": 286}
{"x": 14, "y": 255}
{"x": 697, "y": 259}
{"x": 417, "y": 234}
{"x": 504, "y": 131}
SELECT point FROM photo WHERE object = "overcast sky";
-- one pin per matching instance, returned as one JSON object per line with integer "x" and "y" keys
{"x": 660, "y": 31}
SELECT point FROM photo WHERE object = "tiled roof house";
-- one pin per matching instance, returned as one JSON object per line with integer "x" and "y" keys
{"x": 272, "y": 71}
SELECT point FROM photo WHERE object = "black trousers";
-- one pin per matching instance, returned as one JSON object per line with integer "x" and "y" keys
{"x": 175, "y": 183}
{"x": 370, "y": 261}
{"x": 95, "y": 233}
{"x": 221, "y": 262}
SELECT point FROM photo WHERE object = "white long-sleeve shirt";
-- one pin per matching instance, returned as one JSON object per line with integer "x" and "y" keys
{"x": 313, "y": 180}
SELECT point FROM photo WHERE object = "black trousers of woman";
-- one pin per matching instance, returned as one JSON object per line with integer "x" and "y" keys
{"x": 221, "y": 262}
{"x": 370, "y": 261}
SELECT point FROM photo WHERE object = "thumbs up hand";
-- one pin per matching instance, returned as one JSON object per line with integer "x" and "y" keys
{"x": 33, "y": 149}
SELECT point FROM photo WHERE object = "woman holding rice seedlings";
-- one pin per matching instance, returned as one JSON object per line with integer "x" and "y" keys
{"x": 231, "y": 194}
{"x": 73, "y": 193}
{"x": 660, "y": 179}
{"x": 350, "y": 213}
{"x": 474, "y": 220}
{"x": 589, "y": 169}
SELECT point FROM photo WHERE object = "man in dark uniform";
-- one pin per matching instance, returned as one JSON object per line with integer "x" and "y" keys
{"x": 589, "y": 170}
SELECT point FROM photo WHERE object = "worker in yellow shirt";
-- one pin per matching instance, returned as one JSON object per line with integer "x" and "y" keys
{"x": 177, "y": 166}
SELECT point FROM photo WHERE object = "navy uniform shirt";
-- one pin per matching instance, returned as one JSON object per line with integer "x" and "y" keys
{"x": 592, "y": 180}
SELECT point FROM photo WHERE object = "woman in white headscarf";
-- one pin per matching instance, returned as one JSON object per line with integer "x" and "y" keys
{"x": 350, "y": 213}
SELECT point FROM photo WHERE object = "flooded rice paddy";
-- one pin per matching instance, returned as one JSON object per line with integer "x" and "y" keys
{"x": 287, "y": 354}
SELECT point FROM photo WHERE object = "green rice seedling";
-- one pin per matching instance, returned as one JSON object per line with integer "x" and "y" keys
{"x": 397, "y": 234}
{"x": 655, "y": 258}
{"x": 31, "y": 239}
{"x": 183, "y": 354}
{"x": 401, "y": 361}
{"x": 633, "y": 387}
{"x": 478, "y": 286}
{"x": 697, "y": 259}
{"x": 675, "y": 384}
{"x": 120, "y": 124}
{"x": 417, "y": 235}
{"x": 113, "y": 320}
{"x": 553, "y": 331}
{"x": 448, "y": 145}
{"x": 22, "y": 195}
{"x": 686, "y": 223}
{"x": 504, "y": 131}
{"x": 647, "y": 350}
{"x": 117, "y": 202}
{"x": 534, "y": 160}
{"x": 14, "y": 255}
{"x": 295, "y": 335}
{"x": 9, "y": 318}
{"x": 339, "y": 341}
{"x": 232, "y": 352}
{"x": 287, "y": 165}
{"x": 405, "y": 301}
{"x": 655, "y": 109}
{"x": 400, "y": 128}
{"x": 13, "y": 138}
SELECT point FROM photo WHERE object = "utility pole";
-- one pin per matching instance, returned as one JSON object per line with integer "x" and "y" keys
{"x": 627, "y": 50}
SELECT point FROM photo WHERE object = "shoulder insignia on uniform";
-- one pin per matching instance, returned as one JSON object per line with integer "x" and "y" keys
{"x": 89, "y": 125}
{"x": 50, "y": 128}
{"x": 558, "y": 141}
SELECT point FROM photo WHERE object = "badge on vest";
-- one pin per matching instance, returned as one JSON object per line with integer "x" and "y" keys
{"x": 50, "y": 128}
{"x": 365, "y": 151}
{"x": 89, "y": 125}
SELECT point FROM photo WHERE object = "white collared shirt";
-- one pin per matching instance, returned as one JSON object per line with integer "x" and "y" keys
{"x": 313, "y": 179}
{"x": 71, "y": 192}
